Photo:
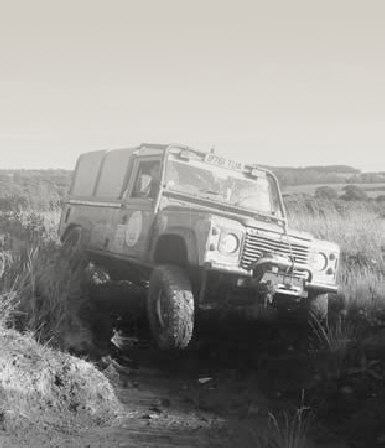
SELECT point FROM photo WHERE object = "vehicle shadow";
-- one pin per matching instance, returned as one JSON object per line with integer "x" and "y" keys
{"x": 227, "y": 365}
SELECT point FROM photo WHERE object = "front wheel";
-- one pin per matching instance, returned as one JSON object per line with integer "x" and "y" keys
{"x": 170, "y": 306}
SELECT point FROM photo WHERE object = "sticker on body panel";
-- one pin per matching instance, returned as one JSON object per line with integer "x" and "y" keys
{"x": 127, "y": 235}
{"x": 134, "y": 228}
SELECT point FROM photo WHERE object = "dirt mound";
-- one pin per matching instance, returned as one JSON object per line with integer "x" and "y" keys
{"x": 40, "y": 384}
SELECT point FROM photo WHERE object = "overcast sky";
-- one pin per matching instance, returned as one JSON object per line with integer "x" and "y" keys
{"x": 275, "y": 82}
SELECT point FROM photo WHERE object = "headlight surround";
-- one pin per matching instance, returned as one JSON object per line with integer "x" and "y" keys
{"x": 228, "y": 243}
{"x": 320, "y": 261}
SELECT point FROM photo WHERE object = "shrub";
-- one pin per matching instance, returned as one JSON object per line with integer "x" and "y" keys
{"x": 326, "y": 192}
{"x": 354, "y": 193}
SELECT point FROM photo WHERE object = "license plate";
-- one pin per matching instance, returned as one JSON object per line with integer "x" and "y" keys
{"x": 223, "y": 162}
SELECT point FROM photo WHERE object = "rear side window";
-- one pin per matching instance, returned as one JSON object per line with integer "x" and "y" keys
{"x": 113, "y": 175}
{"x": 86, "y": 173}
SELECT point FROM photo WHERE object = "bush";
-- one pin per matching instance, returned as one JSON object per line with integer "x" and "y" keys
{"x": 325, "y": 192}
{"x": 354, "y": 193}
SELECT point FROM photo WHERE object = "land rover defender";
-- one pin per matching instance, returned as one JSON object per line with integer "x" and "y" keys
{"x": 199, "y": 231}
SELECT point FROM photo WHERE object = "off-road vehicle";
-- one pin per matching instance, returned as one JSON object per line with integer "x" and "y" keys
{"x": 199, "y": 231}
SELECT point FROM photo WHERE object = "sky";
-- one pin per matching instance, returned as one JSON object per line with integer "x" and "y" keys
{"x": 276, "y": 82}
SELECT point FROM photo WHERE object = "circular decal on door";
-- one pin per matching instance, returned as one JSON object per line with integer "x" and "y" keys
{"x": 134, "y": 228}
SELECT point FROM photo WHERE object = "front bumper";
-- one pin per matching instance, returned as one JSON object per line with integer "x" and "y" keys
{"x": 277, "y": 275}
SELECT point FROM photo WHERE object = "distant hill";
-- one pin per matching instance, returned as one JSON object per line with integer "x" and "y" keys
{"x": 311, "y": 175}
{"x": 333, "y": 169}
{"x": 325, "y": 175}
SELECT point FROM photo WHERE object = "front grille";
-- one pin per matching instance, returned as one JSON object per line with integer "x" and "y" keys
{"x": 261, "y": 241}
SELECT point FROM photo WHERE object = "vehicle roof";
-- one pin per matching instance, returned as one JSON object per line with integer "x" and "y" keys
{"x": 156, "y": 148}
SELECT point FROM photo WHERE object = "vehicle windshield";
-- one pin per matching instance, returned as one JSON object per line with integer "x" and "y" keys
{"x": 223, "y": 185}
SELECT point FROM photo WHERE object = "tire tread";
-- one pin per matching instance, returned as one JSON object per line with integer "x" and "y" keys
{"x": 175, "y": 281}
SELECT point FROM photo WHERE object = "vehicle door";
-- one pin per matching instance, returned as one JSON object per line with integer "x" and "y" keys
{"x": 136, "y": 217}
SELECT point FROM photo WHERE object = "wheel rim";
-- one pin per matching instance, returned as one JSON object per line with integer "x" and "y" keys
{"x": 160, "y": 309}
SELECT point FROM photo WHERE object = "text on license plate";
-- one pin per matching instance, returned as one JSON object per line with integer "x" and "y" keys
{"x": 223, "y": 162}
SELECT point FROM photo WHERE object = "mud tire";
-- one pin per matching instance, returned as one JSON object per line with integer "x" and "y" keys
{"x": 170, "y": 307}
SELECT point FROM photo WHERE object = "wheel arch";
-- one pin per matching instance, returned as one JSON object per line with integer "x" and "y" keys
{"x": 176, "y": 247}
{"x": 84, "y": 223}
{"x": 68, "y": 229}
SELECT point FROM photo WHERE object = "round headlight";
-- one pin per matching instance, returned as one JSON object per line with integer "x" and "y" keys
{"x": 229, "y": 243}
{"x": 320, "y": 261}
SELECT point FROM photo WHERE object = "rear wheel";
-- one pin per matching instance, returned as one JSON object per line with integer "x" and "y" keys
{"x": 170, "y": 306}
{"x": 73, "y": 248}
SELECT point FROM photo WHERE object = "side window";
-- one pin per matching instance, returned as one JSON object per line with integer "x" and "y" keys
{"x": 113, "y": 174}
{"x": 147, "y": 180}
{"x": 86, "y": 173}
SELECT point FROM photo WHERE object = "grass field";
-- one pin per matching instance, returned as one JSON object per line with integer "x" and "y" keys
{"x": 360, "y": 231}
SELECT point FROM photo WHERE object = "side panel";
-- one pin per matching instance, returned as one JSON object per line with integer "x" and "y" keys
{"x": 83, "y": 184}
{"x": 127, "y": 229}
{"x": 131, "y": 227}
{"x": 117, "y": 209}
{"x": 96, "y": 192}
{"x": 94, "y": 217}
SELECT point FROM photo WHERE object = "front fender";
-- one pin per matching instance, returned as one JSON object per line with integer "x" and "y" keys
{"x": 189, "y": 239}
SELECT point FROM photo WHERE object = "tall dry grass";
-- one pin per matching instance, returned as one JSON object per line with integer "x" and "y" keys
{"x": 355, "y": 228}
{"x": 359, "y": 229}
{"x": 44, "y": 286}
{"x": 283, "y": 428}
{"x": 42, "y": 295}
{"x": 53, "y": 297}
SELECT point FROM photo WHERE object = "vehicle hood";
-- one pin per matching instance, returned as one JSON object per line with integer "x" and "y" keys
{"x": 261, "y": 222}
